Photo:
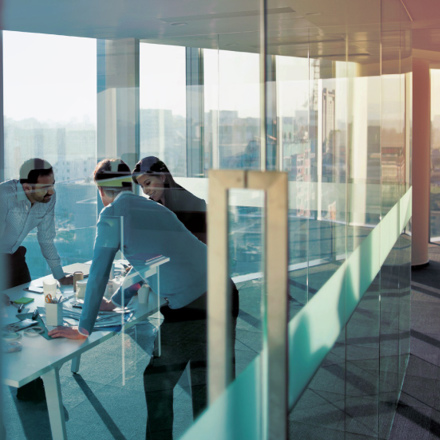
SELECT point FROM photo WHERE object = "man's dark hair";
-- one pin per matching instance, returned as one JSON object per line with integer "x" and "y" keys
{"x": 113, "y": 175}
{"x": 32, "y": 169}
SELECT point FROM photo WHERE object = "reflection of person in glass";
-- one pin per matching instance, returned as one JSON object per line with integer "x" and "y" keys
{"x": 26, "y": 204}
{"x": 158, "y": 184}
{"x": 149, "y": 228}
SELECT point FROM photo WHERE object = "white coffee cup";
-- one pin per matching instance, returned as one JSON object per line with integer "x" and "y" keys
{"x": 81, "y": 286}
{"x": 50, "y": 286}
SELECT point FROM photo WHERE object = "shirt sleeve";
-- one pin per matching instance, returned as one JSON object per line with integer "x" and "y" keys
{"x": 4, "y": 202}
{"x": 107, "y": 243}
{"x": 46, "y": 237}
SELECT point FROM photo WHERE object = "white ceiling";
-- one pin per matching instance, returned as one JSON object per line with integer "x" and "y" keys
{"x": 321, "y": 28}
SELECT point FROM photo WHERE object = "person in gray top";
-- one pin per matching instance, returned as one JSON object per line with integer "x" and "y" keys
{"x": 149, "y": 228}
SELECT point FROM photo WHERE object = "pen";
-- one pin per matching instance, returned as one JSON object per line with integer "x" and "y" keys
{"x": 20, "y": 308}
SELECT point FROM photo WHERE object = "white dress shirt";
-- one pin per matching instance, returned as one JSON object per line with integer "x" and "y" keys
{"x": 18, "y": 217}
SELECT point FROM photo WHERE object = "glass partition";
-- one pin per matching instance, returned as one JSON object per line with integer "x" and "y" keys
{"x": 320, "y": 91}
{"x": 435, "y": 157}
{"x": 162, "y": 74}
{"x": 232, "y": 104}
{"x": 50, "y": 113}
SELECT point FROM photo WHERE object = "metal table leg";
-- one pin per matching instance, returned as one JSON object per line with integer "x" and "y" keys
{"x": 75, "y": 364}
{"x": 54, "y": 401}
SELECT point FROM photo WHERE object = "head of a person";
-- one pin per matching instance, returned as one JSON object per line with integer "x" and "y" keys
{"x": 37, "y": 180}
{"x": 112, "y": 176}
{"x": 153, "y": 176}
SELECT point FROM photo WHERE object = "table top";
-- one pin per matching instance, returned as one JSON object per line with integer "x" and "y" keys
{"x": 39, "y": 355}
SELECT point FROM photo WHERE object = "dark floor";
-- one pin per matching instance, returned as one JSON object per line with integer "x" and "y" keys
{"x": 106, "y": 400}
{"x": 418, "y": 412}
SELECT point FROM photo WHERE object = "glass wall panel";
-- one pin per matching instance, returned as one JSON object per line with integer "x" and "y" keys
{"x": 396, "y": 51}
{"x": 50, "y": 113}
{"x": 435, "y": 156}
{"x": 363, "y": 328}
{"x": 231, "y": 100}
{"x": 232, "y": 109}
{"x": 163, "y": 105}
{"x": 293, "y": 118}
{"x": 335, "y": 112}
{"x": 246, "y": 260}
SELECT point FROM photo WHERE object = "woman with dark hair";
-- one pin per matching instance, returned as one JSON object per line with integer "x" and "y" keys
{"x": 158, "y": 183}
{"x": 163, "y": 373}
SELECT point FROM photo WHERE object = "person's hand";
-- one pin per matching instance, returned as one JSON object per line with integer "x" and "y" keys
{"x": 66, "y": 332}
{"x": 67, "y": 280}
{"x": 106, "y": 306}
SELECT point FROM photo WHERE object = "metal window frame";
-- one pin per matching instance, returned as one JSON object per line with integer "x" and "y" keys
{"x": 195, "y": 113}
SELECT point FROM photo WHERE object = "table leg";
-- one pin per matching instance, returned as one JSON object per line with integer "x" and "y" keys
{"x": 54, "y": 401}
{"x": 75, "y": 364}
{"x": 158, "y": 352}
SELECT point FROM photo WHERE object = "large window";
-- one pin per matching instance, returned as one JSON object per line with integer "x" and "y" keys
{"x": 435, "y": 156}
{"x": 50, "y": 112}
{"x": 232, "y": 109}
{"x": 163, "y": 105}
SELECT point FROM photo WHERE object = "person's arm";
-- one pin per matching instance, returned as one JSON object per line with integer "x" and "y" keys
{"x": 201, "y": 220}
{"x": 5, "y": 195}
{"x": 46, "y": 236}
{"x": 106, "y": 245}
{"x": 126, "y": 293}
{"x": 66, "y": 280}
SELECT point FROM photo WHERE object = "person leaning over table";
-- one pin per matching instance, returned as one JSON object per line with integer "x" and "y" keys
{"x": 151, "y": 229}
{"x": 27, "y": 204}
{"x": 158, "y": 184}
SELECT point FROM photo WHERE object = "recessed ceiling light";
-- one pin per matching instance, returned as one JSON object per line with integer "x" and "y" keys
{"x": 178, "y": 23}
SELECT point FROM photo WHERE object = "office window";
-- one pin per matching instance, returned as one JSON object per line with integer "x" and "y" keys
{"x": 163, "y": 105}
{"x": 50, "y": 112}
{"x": 232, "y": 109}
{"x": 435, "y": 156}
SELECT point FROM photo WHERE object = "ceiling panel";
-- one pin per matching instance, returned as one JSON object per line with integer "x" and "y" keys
{"x": 317, "y": 27}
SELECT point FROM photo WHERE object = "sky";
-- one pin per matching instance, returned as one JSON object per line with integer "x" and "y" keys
{"x": 435, "y": 93}
{"x": 49, "y": 78}
{"x": 53, "y": 78}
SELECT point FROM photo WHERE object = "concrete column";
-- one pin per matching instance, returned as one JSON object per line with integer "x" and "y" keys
{"x": 118, "y": 100}
{"x": 421, "y": 161}
{"x": 2, "y": 140}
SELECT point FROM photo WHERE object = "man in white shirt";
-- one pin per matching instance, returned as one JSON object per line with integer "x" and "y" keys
{"x": 26, "y": 204}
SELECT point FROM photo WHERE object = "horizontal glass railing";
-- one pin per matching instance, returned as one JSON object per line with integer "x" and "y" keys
{"x": 312, "y": 333}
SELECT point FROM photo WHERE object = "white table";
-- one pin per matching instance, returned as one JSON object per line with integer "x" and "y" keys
{"x": 43, "y": 358}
